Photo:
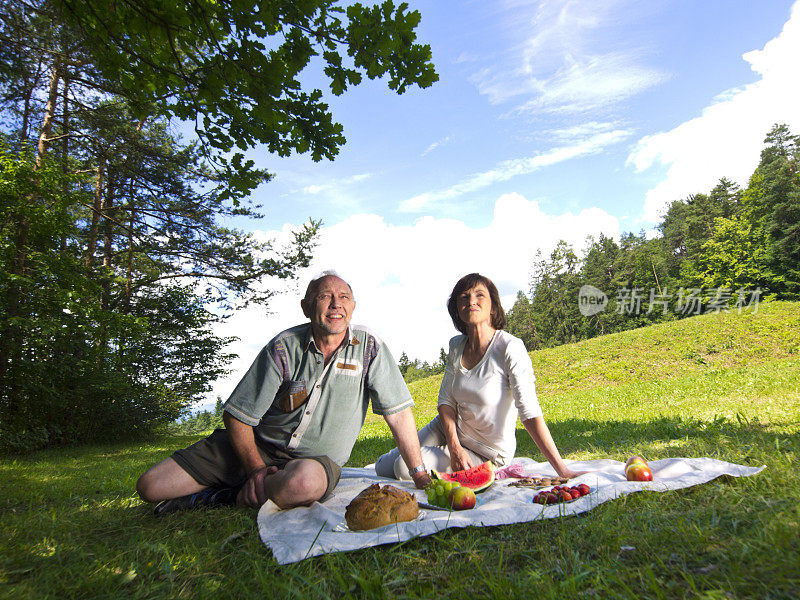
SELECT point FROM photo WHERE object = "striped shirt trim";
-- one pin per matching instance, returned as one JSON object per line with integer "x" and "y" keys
{"x": 370, "y": 352}
{"x": 396, "y": 409}
{"x": 281, "y": 358}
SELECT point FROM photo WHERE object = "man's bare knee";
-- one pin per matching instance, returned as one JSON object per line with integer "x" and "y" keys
{"x": 165, "y": 480}
{"x": 144, "y": 486}
{"x": 303, "y": 482}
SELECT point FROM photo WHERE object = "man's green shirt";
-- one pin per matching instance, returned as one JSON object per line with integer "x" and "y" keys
{"x": 297, "y": 403}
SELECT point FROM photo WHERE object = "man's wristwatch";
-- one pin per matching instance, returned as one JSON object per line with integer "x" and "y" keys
{"x": 417, "y": 469}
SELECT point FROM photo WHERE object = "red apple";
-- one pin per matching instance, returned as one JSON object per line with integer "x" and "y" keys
{"x": 462, "y": 498}
{"x": 583, "y": 489}
{"x": 576, "y": 493}
{"x": 565, "y": 496}
{"x": 634, "y": 459}
{"x": 639, "y": 472}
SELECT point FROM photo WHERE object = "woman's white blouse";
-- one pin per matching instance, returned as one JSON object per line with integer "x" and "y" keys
{"x": 488, "y": 397}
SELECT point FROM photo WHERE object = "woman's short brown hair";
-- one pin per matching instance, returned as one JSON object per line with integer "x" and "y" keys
{"x": 467, "y": 283}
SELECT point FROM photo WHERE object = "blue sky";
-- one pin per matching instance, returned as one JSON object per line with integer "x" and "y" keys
{"x": 550, "y": 120}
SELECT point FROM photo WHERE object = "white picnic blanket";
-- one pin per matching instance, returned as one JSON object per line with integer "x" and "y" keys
{"x": 302, "y": 532}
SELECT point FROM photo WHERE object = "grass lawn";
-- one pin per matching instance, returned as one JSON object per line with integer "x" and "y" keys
{"x": 725, "y": 386}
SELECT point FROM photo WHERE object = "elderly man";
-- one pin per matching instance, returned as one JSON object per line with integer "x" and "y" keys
{"x": 292, "y": 420}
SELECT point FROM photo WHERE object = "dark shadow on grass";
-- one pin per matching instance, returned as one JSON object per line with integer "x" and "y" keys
{"x": 621, "y": 437}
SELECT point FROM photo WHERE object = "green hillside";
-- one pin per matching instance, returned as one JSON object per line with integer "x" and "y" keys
{"x": 694, "y": 348}
{"x": 694, "y": 345}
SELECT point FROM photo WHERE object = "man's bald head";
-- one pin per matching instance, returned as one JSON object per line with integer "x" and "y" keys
{"x": 313, "y": 285}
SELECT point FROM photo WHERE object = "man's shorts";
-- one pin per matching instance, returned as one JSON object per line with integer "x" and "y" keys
{"x": 214, "y": 463}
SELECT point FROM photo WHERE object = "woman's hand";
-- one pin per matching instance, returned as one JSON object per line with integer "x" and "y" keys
{"x": 569, "y": 474}
{"x": 459, "y": 459}
{"x": 540, "y": 434}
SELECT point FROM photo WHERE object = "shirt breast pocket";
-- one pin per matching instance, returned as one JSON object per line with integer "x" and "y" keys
{"x": 294, "y": 395}
{"x": 347, "y": 370}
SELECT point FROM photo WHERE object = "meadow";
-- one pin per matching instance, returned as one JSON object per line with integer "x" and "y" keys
{"x": 720, "y": 385}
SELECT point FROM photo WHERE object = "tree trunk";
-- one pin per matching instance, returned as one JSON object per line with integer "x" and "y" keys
{"x": 91, "y": 243}
{"x": 108, "y": 224}
{"x": 131, "y": 224}
{"x": 49, "y": 113}
{"x": 65, "y": 149}
{"x": 129, "y": 274}
{"x": 108, "y": 237}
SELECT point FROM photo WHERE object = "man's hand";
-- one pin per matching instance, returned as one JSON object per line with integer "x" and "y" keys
{"x": 421, "y": 479}
{"x": 243, "y": 441}
{"x": 253, "y": 492}
{"x": 404, "y": 430}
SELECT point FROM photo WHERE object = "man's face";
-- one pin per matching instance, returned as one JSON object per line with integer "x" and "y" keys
{"x": 331, "y": 308}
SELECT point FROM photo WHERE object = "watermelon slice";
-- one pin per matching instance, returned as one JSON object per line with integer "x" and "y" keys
{"x": 477, "y": 478}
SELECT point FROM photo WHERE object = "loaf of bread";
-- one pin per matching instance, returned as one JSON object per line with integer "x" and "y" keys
{"x": 377, "y": 506}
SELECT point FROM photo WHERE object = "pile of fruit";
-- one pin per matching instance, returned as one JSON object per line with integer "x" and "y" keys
{"x": 561, "y": 493}
{"x": 450, "y": 494}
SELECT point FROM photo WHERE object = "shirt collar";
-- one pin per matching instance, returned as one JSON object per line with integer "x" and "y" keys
{"x": 308, "y": 341}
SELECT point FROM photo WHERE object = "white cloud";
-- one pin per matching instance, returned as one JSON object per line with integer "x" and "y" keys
{"x": 573, "y": 59}
{"x": 582, "y": 131}
{"x": 336, "y": 184}
{"x": 436, "y": 144}
{"x": 508, "y": 169}
{"x": 403, "y": 274}
{"x": 727, "y": 138}
{"x": 591, "y": 82}
{"x": 317, "y": 189}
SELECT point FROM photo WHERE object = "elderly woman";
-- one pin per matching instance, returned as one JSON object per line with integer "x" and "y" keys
{"x": 488, "y": 381}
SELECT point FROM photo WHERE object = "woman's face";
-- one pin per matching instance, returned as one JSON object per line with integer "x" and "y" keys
{"x": 475, "y": 305}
